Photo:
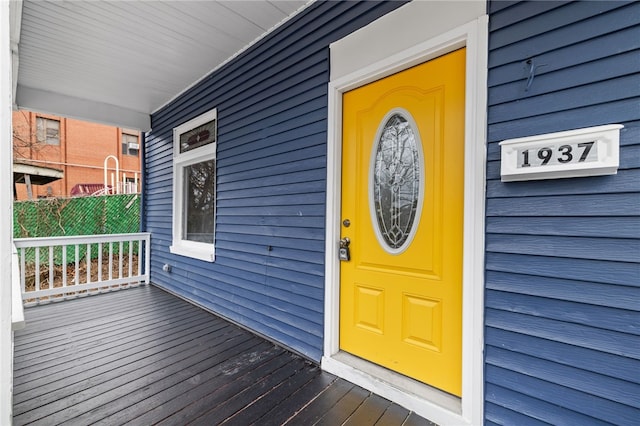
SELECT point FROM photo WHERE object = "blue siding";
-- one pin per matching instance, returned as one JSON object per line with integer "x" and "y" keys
{"x": 272, "y": 121}
{"x": 563, "y": 256}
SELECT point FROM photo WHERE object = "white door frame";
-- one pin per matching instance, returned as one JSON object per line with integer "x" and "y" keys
{"x": 424, "y": 400}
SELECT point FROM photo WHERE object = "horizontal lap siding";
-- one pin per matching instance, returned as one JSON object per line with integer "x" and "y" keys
{"x": 268, "y": 274}
{"x": 563, "y": 256}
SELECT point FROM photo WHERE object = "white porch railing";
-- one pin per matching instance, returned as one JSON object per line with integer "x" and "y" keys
{"x": 57, "y": 268}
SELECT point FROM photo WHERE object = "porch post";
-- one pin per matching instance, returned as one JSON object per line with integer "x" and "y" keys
{"x": 6, "y": 217}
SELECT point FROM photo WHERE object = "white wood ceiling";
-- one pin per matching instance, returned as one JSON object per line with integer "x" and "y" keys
{"x": 118, "y": 61}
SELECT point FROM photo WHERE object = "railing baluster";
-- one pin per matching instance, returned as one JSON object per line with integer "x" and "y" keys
{"x": 120, "y": 258}
{"x": 23, "y": 270}
{"x": 51, "y": 265}
{"x": 88, "y": 263}
{"x": 77, "y": 259}
{"x": 110, "y": 260}
{"x": 130, "y": 258}
{"x": 37, "y": 268}
{"x": 64, "y": 265}
{"x": 99, "y": 262}
{"x": 140, "y": 257}
{"x": 147, "y": 259}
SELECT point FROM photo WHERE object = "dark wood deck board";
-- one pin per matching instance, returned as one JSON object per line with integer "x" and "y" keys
{"x": 124, "y": 352}
{"x": 273, "y": 396}
{"x": 393, "y": 415}
{"x": 344, "y": 407}
{"x": 325, "y": 401}
{"x": 123, "y": 361}
{"x": 150, "y": 407}
{"x": 89, "y": 397}
{"x": 141, "y": 376}
{"x": 369, "y": 412}
{"x": 415, "y": 420}
{"x": 142, "y": 356}
{"x": 168, "y": 389}
{"x": 295, "y": 403}
{"x": 248, "y": 390}
{"x": 56, "y": 347}
{"x": 55, "y": 340}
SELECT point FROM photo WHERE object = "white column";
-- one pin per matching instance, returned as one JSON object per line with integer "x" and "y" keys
{"x": 6, "y": 217}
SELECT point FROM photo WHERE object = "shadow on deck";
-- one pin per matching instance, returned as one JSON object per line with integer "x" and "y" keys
{"x": 143, "y": 356}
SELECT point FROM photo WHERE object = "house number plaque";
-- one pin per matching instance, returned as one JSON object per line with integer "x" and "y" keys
{"x": 584, "y": 152}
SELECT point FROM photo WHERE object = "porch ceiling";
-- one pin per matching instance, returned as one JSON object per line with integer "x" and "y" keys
{"x": 118, "y": 61}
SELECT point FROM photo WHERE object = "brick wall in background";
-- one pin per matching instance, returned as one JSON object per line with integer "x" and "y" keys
{"x": 80, "y": 154}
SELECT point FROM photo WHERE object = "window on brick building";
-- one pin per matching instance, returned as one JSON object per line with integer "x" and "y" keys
{"x": 48, "y": 131}
{"x": 130, "y": 144}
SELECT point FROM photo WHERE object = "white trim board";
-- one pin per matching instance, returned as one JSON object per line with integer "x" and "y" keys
{"x": 424, "y": 400}
{"x": 6, "y": 217}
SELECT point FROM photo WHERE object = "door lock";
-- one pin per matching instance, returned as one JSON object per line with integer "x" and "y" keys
{"x": 344, "y": 253}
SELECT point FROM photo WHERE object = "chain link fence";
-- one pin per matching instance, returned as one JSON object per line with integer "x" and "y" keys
{"x": 53, "y": 217}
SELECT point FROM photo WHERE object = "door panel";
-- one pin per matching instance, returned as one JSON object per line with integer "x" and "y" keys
{"x": 402, "y": 191}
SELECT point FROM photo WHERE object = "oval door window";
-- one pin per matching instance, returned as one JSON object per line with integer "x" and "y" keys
{"x": 396, "y": 183}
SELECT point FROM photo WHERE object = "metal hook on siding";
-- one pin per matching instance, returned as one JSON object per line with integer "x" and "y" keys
{"x": 532, "y": 73}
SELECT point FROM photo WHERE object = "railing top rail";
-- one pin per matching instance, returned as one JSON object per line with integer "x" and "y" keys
{"x": 80, "y": 239}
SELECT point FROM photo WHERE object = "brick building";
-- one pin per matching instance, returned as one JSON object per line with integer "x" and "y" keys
{"x": 77, "y": 148}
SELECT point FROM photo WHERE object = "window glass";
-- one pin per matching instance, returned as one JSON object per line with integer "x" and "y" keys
{"x": 200, "y": 136}
{"x": 199, "y": 202}
{"x": 396, "y": 181}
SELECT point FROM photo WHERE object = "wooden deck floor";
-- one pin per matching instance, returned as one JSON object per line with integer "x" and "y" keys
{"x": 142, "y": 356}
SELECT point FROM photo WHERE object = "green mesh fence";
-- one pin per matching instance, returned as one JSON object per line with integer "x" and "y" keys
{"x": 53, "y": 217}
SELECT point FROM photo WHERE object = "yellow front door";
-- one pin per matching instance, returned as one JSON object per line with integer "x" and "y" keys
{"x": 402, "y": 211}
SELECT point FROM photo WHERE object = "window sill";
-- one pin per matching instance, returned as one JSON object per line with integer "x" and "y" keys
{"x": 197, "y": 251}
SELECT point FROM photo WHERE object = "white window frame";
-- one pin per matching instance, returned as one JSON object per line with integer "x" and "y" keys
{"x": 180, "y": 245}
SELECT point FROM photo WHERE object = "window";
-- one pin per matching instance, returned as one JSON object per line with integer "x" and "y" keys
{"x": 194, "y": 190}
{"x": 395, "y": 181}
{"x": 130, "y": 144}
{"x": 48, "y": 131}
